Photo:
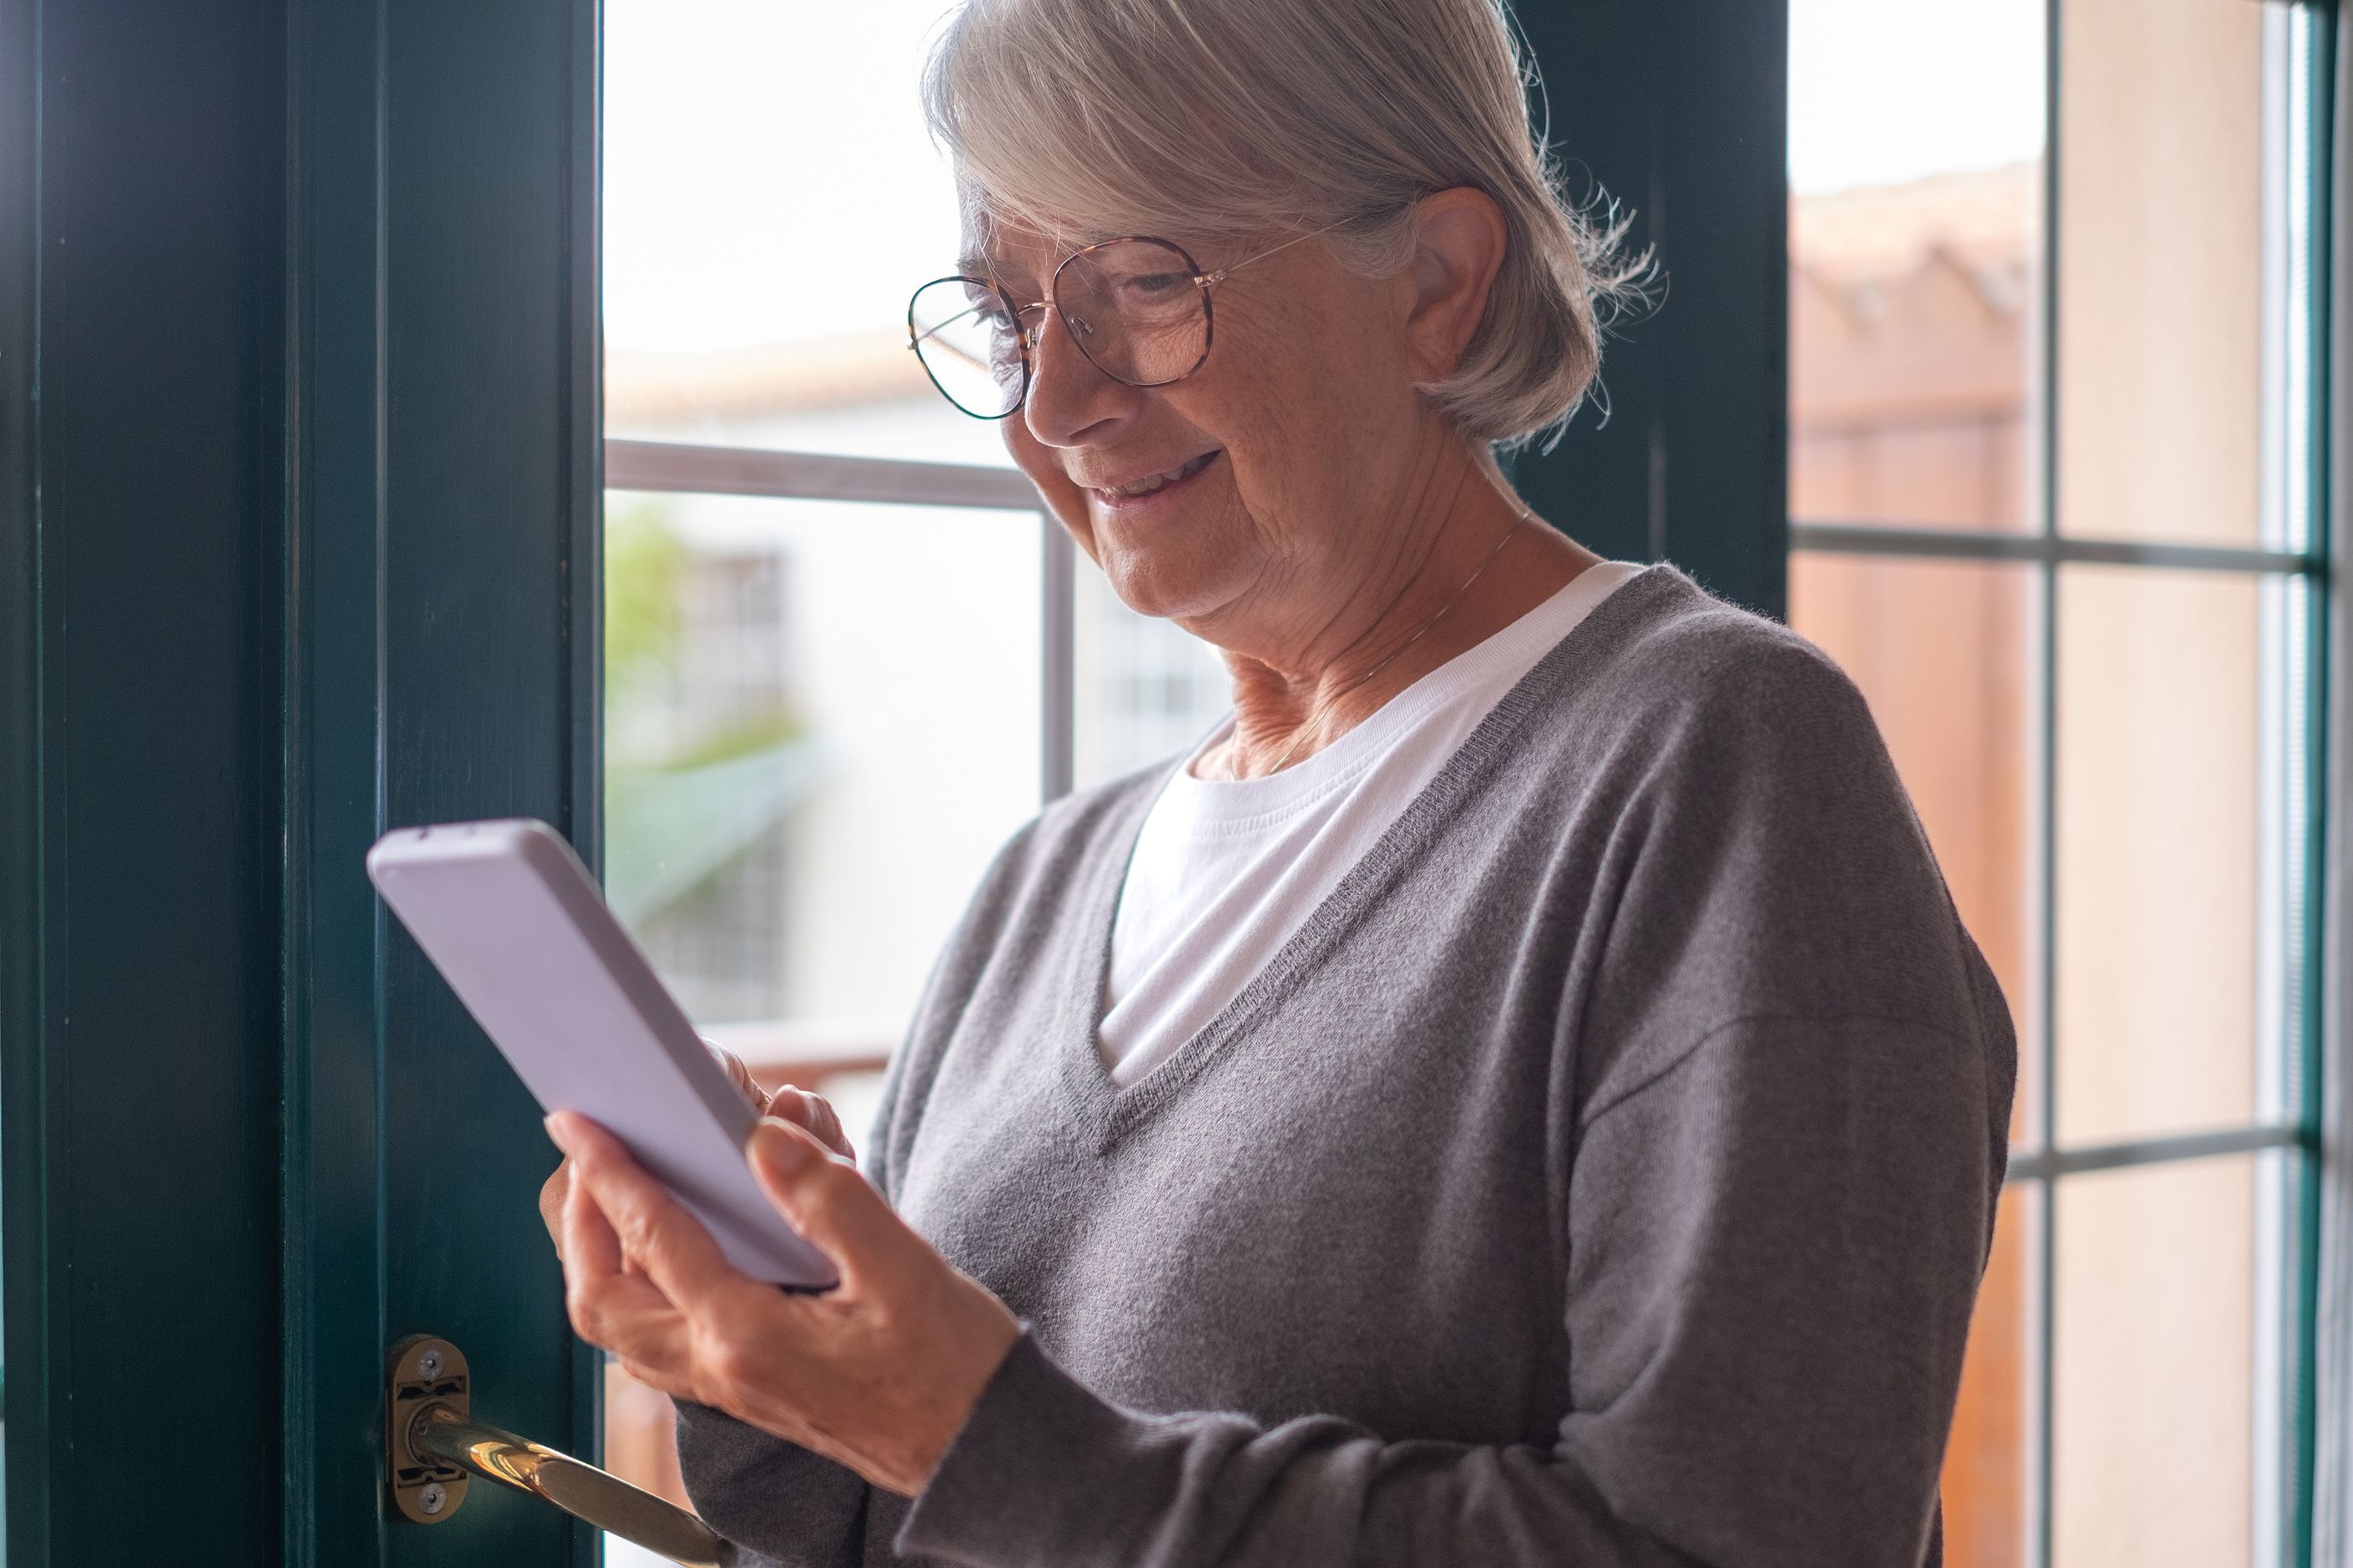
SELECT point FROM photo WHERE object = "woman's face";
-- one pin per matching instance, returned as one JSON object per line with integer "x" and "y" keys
{"x": 1299, "y": 440}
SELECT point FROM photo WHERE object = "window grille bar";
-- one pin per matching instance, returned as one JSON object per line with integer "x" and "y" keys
{"x": 2047, "y": 1164}
{"x": 686, "y": 468}
{"x": 1874, "y": 539}
{"x": 2042, "y": 1315}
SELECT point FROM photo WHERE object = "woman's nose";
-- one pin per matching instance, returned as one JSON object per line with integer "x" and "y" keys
{"x": 1072, "y": 402}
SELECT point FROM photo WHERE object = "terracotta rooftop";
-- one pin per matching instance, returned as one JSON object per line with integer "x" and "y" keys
{"x": 765, "y": 378}
{"x": 1984, "y": 218}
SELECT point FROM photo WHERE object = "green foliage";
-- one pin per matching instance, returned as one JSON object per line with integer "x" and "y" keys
{"x": 643, "y": 563}
{"x": 760, "y": 729}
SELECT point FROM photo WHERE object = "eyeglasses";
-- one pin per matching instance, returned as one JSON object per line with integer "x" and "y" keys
{"x": 1137, "y": 307}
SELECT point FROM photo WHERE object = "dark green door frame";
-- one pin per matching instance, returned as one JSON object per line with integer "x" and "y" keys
{"x": 1679, "y": 110}
{"x": 138, "y": 498}
{"x": 299, "y": 492}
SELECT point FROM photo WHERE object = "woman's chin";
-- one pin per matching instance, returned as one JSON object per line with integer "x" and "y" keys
{"x": 1169, "y": 580}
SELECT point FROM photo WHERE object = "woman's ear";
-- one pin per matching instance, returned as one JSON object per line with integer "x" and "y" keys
{"x": 1459, "y": 238}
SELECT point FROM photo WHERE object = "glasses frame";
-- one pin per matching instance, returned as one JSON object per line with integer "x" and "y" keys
{"x": 1203, "y": 281}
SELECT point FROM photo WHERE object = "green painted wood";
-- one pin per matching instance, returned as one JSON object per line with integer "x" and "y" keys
{"x": 489, "y": 525}
{"x": 444, "y": 571}
{"x": 140, "y": 513}
{"x": 26, "y": 1288}
{"x": 1679, "y": 110}
{"x": 2310, "y": 1058}
{"x": 299, "y": 492}
{"x": 332, "y": 1266}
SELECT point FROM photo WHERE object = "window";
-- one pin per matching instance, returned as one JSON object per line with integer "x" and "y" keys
{"x": 2055, "y": 485}
{"x": 846, "y": 654}
{"x": 2053, "y": 476}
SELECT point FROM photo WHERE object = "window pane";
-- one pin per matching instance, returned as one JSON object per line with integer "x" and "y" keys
{"x": 2162, "y": 223}
{"x": 821, "y": 721}
{"x": 2159, "y": 749}
{"x": 2154, "y": 1374}
{"x": 771, "y": 202}
{"x": 1915, "y": 144}
{"x": 1944, "y": 651}
{"x": 1146, "y": 689}
{"x": 1985, "y": 1482}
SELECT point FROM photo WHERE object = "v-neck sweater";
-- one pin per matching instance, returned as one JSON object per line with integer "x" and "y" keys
{"x": 1225, "y": 870}
{"x": 1602, "y": 1174}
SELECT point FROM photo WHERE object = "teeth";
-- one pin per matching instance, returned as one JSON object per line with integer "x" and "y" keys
{"x": 1145, "y": 486}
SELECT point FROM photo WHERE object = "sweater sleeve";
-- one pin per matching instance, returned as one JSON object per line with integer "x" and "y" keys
{"x": 1765, "y": 1365}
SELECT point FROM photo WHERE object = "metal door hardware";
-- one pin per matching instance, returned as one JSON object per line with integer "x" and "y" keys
{"x": 433, "y": 1447}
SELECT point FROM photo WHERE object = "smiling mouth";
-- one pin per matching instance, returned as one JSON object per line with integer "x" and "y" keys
{"x": 1152, "y": 484}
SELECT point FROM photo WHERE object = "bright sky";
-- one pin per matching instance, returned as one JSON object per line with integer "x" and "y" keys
{"x": 1885, "y": 91}
{"x": 767, "y": 172}
{"x": 767, "y": 176}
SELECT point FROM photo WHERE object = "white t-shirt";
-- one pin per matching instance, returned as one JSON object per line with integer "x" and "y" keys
{"x": 1226, "y": 870}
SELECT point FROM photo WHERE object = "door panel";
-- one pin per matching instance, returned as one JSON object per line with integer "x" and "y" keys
{"x": 297, "y": 540}
{"x": 444, "y": 576}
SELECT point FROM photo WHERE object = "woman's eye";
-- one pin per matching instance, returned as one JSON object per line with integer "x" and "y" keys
{"x": 1156, "y": 285}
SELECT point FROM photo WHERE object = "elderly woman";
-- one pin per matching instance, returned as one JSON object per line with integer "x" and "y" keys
{"x": 1519, "y": 1092}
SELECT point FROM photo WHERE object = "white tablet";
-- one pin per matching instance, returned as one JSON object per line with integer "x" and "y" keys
{"x": 512, "y": 921}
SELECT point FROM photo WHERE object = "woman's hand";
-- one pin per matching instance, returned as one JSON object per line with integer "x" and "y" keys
{"x": 879, "y": 1373}
{"x": 797, "y": 1106}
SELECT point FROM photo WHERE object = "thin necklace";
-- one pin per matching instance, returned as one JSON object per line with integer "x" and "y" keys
{"x": 1307, "y": 725}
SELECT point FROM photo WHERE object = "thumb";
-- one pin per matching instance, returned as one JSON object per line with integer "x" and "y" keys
{"x": 827, "y": 1200}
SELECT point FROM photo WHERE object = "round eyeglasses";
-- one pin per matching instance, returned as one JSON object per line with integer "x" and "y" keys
{"x": 1137, "y": 307}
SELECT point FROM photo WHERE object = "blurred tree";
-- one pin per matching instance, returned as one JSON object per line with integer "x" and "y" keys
{"x": 644, "y": 561}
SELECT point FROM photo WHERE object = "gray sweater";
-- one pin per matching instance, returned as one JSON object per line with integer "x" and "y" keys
{"x": 1602, "y": 1175}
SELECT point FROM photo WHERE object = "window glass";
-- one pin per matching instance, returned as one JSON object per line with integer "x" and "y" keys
{"x": 2111, "y": 760}
{"x": 822, "y": 723}
{"x": 771, "y": 201}
{"x": 1946, "y": 653}
{"x": 1987, "y": 1481}
{"x": 1146, "y": 690}
{"x": 2153, "y": 1367}
{"x": 2159, "y": 774}
{"x": 1915, "y": 252}
{"x": 2162, "y": 198}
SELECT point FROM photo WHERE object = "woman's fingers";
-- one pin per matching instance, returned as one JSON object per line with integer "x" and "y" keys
{"x": 741, "y": 1077}
{"x": 648, "y": 1226}
{"x": 813, "y": 1114}
{"x": 585, "y": 1238}
{"x": 551, "y": 1203}
{"x": 795, "y": 1105}
{"x": 828, "y": 1201}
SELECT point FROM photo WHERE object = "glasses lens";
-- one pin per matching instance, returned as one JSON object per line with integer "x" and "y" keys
{"x": 969, "y": 344}
{"x": 1135, "y": 309}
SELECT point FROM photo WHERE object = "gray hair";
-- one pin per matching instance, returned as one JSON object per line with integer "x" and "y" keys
{"x": 1231, "y": 120}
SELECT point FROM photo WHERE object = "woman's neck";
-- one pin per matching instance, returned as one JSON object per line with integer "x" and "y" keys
{"x": 1481, "y": 566}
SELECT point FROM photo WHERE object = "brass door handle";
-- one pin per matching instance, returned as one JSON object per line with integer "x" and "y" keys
{"x": 433, "y": 1445}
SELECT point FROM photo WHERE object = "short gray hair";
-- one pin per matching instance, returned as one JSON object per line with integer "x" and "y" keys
{"x": 1231, "y": 120}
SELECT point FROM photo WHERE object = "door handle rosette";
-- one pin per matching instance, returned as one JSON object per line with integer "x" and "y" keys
{"x": 433, "y": 1447}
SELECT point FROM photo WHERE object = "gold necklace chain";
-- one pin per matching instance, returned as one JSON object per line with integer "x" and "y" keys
{"x": 1307, "y": 725}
